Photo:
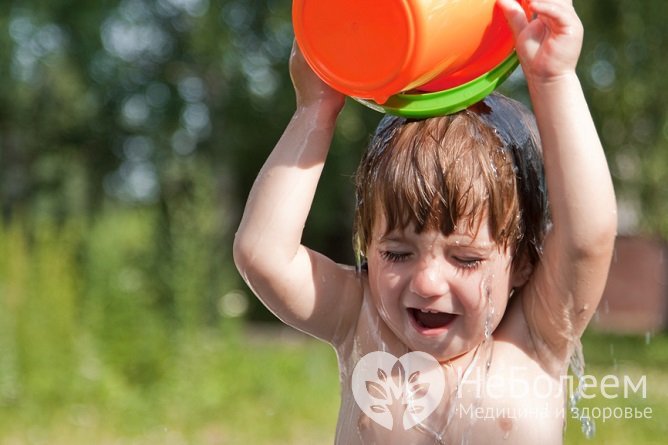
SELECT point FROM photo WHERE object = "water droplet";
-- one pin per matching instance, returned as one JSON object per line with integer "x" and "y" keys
{"x": 577, "y": 367}
{"x": 588, "y": 427}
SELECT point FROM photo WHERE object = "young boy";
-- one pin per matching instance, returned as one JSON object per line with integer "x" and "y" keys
{"x": 462, "y": 322}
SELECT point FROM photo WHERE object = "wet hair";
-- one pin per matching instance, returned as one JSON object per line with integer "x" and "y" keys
{"x": 441, "y": 172}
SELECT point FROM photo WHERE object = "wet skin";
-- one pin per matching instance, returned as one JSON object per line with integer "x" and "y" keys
{"x": 465, "y": 278}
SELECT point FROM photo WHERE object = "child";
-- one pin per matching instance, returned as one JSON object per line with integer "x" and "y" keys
{"x": 462, "y": 322}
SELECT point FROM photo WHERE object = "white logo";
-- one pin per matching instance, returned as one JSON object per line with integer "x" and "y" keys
{"x": 398, "y": 391}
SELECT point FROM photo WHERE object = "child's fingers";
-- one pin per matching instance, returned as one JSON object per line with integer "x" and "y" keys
{"x": 515, "y": 15}
{"x": 558, "y": 12}
{"x": 559, "y": 16}
{"x": 550, "y": 7}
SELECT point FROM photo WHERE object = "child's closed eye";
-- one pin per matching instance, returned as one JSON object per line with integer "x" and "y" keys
{"x": 394, "y": 257}
{"x": 468, "y": 263}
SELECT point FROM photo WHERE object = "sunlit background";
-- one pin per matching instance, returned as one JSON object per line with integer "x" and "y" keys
{"x": 130, "y": 134}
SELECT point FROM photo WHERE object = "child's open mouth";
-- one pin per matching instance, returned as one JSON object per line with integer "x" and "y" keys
{"x": 430, "y": 322}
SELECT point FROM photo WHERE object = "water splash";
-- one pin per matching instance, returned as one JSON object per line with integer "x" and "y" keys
{"x": 486, "y": 350}
{"x": 577, "y": 365}
{"x": 439, "y": 432}
{"x": 486, "y": 293}
{"x": 648, "y": 337}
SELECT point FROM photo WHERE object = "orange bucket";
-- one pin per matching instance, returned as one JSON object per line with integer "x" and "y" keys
{"x": 374, "y": 49}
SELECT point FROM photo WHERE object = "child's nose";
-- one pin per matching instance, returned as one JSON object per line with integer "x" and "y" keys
{"x": 430, "y": 280}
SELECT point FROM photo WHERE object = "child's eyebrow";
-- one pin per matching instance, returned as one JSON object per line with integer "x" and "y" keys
{"x": 479, "y": 247}
{"x": 393, "y": 237}
{"x": 463, "y": 241}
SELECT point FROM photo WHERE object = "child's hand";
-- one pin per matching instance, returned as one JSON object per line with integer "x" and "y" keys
{"x": 309, "y": 88}
{"x": 548, "y": 45}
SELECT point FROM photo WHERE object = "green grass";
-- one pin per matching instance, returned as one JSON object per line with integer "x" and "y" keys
{"x": 632, "y": 357}
{"x": 227, "y": 387}
{"x": 219, "y": 389}
{"x": 111, "y": 334}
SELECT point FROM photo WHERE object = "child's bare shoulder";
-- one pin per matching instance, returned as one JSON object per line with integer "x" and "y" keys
{"x": 341, "y": 293}
{"x": 319, "y": 297}
{"x": 516, "y": 343}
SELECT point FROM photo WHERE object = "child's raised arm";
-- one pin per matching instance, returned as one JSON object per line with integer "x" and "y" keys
{"x": 303, "y": 288}
{"x": 567, "y": 285}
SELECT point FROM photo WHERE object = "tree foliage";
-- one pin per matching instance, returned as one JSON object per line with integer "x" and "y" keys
{"x": 152, "y": 103}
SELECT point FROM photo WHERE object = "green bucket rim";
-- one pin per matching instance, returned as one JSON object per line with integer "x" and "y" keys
{"x": 447, "y": 101}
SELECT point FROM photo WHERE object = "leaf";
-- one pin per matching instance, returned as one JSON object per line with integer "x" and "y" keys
{"x": 382, "y": 375}
{"x": 376, "y": 390}
{"x": 398, "y": 374}
{"x": 414, "y": 377}
{"x": 378, "y": 408}
{"x": 419, "y": 391}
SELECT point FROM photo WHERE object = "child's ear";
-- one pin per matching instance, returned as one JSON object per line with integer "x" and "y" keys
{"x": 521, "y": 271}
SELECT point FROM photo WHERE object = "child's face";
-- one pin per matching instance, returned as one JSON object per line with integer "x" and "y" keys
{"x": 439, "y": 293}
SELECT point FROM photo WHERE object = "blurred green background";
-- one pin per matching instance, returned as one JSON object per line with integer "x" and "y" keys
{"x": 130, "y": 134}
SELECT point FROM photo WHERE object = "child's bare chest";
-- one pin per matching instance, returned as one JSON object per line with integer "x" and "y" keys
{"x": 391, "y": 395}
